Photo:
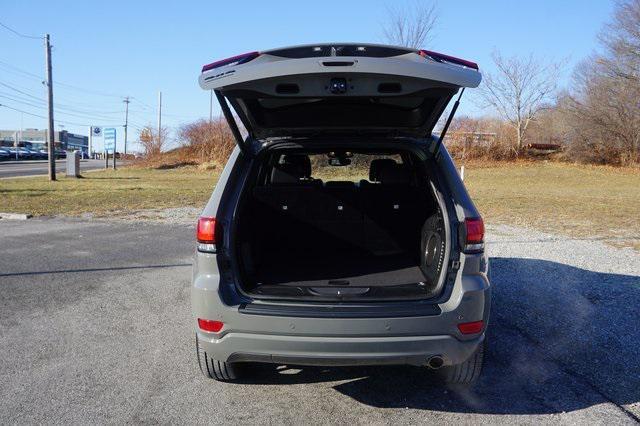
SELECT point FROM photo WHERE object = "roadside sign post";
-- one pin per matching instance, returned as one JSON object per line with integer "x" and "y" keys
{"x": 109, "y": 136}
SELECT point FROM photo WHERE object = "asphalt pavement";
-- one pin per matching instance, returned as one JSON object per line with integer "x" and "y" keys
{"x": 41, "y": 167}
{"x": 95, "y": 327}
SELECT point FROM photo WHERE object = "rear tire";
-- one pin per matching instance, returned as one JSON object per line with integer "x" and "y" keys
{"x": 214, "y": 369}
{"x": 467, "y": 373}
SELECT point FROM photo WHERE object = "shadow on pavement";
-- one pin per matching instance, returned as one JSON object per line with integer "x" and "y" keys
{"x": 561, "y": 339}
{"x": 114, "y": 268}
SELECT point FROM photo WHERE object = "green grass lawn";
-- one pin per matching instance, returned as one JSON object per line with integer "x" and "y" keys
{"x": 585, "y": 201}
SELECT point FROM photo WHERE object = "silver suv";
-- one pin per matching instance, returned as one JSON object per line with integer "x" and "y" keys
{"x": 340, "y": 232}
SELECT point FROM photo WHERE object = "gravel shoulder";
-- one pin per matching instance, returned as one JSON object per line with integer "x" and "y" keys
{"x": 95, "y": 327}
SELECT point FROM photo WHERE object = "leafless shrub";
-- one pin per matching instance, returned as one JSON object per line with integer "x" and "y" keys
{"x": 411, "y": 26}
{"x": 480, "y": 138}
{"x": 153, "y": 141}
{"x": 207, "y": 140}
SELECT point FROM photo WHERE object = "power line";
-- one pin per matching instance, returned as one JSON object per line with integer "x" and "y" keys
{"x": 88, "y": 109}
{"x": 59, "y": 109}
{"x": 19, "y": 34}
{"x": 19, "y": 91}
{"x": 67, "y": 86}
{"x": 20, "y": 70}
{"x": 58, "y": 83}
{"x": 42, "y": 116}
{"x": 149, "y": 107}
{"x": 63, "y": 106}
{"x": 93, "y": 92}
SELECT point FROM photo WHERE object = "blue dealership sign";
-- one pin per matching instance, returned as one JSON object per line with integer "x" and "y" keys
{"x": 109, "y": 135}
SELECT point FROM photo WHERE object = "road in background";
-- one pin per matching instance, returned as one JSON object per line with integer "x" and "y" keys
{"x": 96, "y": 327}
{"x": 41, "y": 167}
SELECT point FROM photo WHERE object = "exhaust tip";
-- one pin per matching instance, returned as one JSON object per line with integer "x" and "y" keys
{"x": 435, "y": 362}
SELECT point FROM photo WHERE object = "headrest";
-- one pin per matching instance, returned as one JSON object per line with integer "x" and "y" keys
{"x": 298, "y": 162}
{"x": 376, "y": 165}
{"x": 291, "y": 169}
{"x": 394, "y": 174}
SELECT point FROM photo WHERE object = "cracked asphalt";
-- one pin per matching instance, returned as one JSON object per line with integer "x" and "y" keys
{"x": 95, "y": 327}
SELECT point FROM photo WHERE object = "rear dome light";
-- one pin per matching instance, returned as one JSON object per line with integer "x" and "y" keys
{"x": 474, "y": 242}
{"x": 210, "y": 325}
{"x": 206, "y": 234}
{"x": 474, "y": 327}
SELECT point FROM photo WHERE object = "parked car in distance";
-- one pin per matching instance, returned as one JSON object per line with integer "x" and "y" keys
{"x": 23, "y": 153}
{"x": 35, "y": 154}
{"x": 338, "y": 233}
{"x": 5, "y": 154}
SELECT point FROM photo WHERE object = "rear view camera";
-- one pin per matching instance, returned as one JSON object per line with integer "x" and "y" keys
{"x": 338, "y": 85}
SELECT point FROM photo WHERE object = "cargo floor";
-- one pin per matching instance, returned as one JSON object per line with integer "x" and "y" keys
{"x": 340, "y": 271}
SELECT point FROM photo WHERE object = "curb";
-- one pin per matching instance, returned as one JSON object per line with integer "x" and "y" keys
{"x": 15, "y": 216}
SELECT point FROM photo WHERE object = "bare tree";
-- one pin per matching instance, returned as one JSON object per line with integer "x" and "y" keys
{"x": 621, "y": 39}
{"x": 411, "y": 26}
{"x": 519, "y": 90}
{"x": 605, "y": 107}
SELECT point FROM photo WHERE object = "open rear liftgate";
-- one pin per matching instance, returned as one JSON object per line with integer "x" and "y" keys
{"x": 341, "y": 89}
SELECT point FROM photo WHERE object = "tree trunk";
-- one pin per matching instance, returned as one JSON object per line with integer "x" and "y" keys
{"x": 519, "y": 138}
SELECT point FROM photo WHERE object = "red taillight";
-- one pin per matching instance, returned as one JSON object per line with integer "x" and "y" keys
{"x": 206, "y": 232}
{"x": 474, "y": 227}
{"x": 210, "y": 325}
{"x": 474, "y": 327}
{"x": 475, "y": 230}
{"x": 238, "y": 59}
{"x": 446, "y": 58}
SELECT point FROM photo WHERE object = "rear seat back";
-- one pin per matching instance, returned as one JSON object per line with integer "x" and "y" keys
{"x": 338, "y": 215}
{"x": 304, "y": 214}
{"x": 392, "y": 207}
{"x": 283, "y": 204}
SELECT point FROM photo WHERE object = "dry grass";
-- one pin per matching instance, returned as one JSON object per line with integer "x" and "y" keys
{"x": 576, "y": 200}
{"x": 584, "y": 201}
{"x": 102, "y": 193}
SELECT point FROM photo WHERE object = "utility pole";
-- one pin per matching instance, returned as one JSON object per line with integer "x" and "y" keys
{"x": 211, "y": 107}
{"x": 159, "y": 119}
{"x": 51, "y": 133}
{"x": 90, "y": 147}
{"x": 21, "y": 126}
{"x": 126, "y": 123}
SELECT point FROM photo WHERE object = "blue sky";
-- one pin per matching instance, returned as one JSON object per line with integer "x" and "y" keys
{"x": 107, "y": 50}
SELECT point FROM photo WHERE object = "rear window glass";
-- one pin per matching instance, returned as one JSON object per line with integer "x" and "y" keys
{"x": 355, "y": 172}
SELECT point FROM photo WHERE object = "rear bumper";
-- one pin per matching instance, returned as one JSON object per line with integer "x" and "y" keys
{"x": 307, "y": 340}
{"x": 338, "y": 351}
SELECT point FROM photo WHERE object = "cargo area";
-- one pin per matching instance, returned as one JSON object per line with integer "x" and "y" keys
{"x": 341, "y": 226}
